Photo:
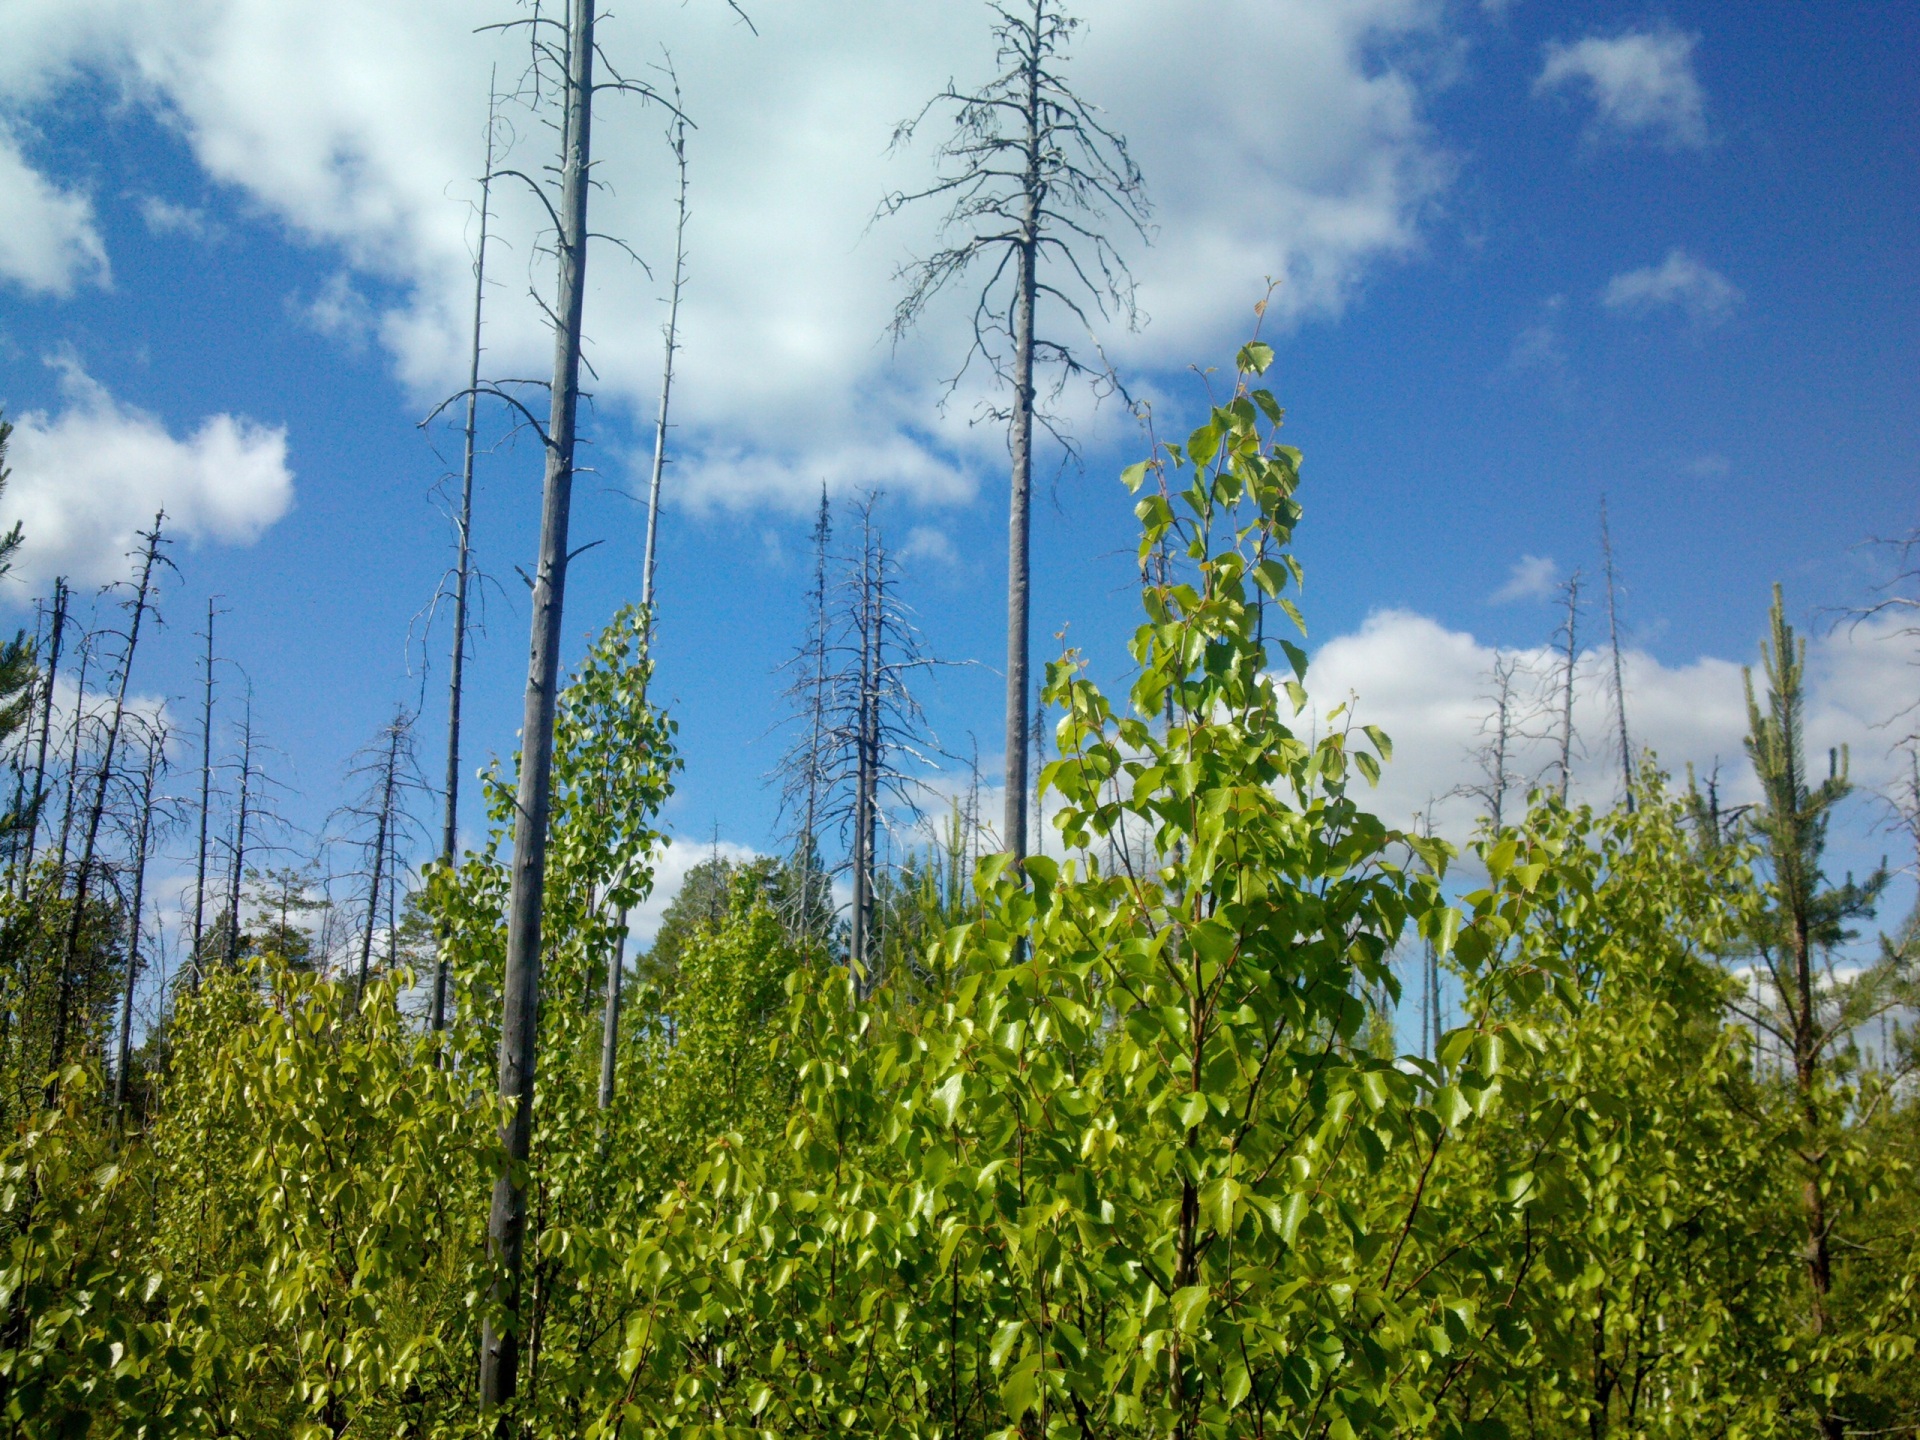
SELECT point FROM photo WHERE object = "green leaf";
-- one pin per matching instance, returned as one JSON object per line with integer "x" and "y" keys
{"x": 1189, "y": 1304}
{"x": 1254, "y": 358}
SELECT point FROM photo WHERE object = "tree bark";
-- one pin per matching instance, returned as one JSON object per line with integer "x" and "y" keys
{"x": 507, "y": 1220}
{"x": 76, "y": 917}
{"x": 46, "y": 726}
{"x": 1020, "y": 504}
{"x": 240, "y": 838}
{"x": 206, "y": 795}
{"x": 450, "y": 826}
{"x": 154, "y": 753}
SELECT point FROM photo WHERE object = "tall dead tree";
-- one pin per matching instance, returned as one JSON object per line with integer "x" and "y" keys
{"x": 388, "y": 758}
{"x": 1028, "y": 175}
{"x": 507, "y": 1218}
{"x": 456, "y": 670}
{"x": 49, "y": 681}
{"x": 239, "y": 854}
{"x": 71, "y": 806}
{"x": 138, "y": 605}
{"x": 616, "y": 964}
{"x": 1619, "y": 670}
{"x": 806, "y": 769}
{"x": 206, "y": 797}
{"x": 1502, "y": 732}
{"x": 151, "y": 770}
{"x": 1569, "y": 647}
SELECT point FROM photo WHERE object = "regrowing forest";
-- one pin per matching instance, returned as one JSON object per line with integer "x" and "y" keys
{"x": 1131, "y": 1111}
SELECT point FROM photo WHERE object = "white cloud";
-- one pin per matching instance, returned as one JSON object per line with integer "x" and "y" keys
{"x": 163, "y": 217}
{"x": 926, "y": 542}
{"x": 1533, "y": 577}
{"x": 1642, "y": 85}
{"x": 1424, "y": 684}
{"x": 1296, "y": 152}
{"x": 1680, "y": 281}
{"x": 671, "y": 864}
{"x": 86, "y": 480}
{"x": 48, "y": 243}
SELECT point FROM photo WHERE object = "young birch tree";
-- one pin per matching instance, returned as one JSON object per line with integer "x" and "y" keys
{"x": 1029, "y": 175}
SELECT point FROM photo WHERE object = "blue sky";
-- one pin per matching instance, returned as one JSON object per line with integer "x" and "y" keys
{"x": 1532, "y": 253}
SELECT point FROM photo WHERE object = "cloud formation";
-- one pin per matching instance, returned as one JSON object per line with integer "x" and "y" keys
{"x": 48, "y": 243}
{"x": 1681, "y": 282}
{"x": 1533, "y": 577}
{"x": 1295, "y": 152}
{"x": 86, "y": 480}
{"x": 1427, "y": 685}
{"x": 1641, "y": 82}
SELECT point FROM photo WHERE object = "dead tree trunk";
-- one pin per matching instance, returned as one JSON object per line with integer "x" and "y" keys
{"x": 507, "y": 1219}
{"x": 73, "y": 759}
{"x": 382, "y": 826}
{"x": 1569, "y": 662}
{"x": 1020, "y": 443}
{"x": 76, "y": 917}
{"x": 50, "y": 680}
{"x": 616, "y": 965}
{"x": 194, "y": 959}
{"x": 1619, "y": 671}
{"x": 450, "y": 827}
{"x": 156, "y": 758}
{"x": 240, "y": 835}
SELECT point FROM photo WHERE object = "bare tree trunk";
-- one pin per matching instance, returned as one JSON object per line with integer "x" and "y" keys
{"x": 1020, "y": 505}
{"x": 46, "y": 725}
{"x": 156, "y": 751}
{"x": 1569, "y": 659}
{"x": 507, "y": 1220}
{"x": 240, "y": 836}
{"x": 1619, "y": 674}
{"x": 76, "y": 917}
{"x": 380, "y": 832}
{"x": 194, "y": 960}
{"x": 610, "y": 1018}
{"x": 73, "y": 759}
{"x": 450, "y": 828}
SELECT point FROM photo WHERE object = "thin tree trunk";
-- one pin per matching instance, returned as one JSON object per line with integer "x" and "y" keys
{"x": 240, "y": 837}
{"x": 1019, "y": 510}
{"x": 610, "y": 1018}
{"x": 1619, "y": 674}
{"x": 155, "y": 751}
{"x": 379, "y": 860}
{"x": 206, "y": 796}
{"x": 1570, "y": 657}
{"x": 76, "y": 917}
{"x": 73, "y": 759}
{"x": 450, "y": 827}
{"x": 46, "y": 725}
{"x": 507, "y": 1219}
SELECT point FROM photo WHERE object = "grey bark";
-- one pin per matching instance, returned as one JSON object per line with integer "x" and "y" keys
{"x": 156, "y": 752}
{"x": 616, "y": 967}
{"x": 240, "y": 835}
{"x": 46, "y": 725}
{"x": 1619, "y": 673}
{"x": 1569, "y": 660}
{"x": 76, "y": 917}
{"x": 450, "y": 828}
{"x": 206, "y": 798}
{"x": 507, "y": 1218}
{"x": 382, "y": 827}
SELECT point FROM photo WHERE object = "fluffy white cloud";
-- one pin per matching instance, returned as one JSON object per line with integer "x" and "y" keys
{"x": 1428, "y": 687}
{"x": 1294, "y": 151}
{"x": 1533, "y": 577}
{"x": 1679, "y": 281}
{"x": 48, "y": 243}
{"x": 1641, "y": 82}
{"x": 86, "y": 480}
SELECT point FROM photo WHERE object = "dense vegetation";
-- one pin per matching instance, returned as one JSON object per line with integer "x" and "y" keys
{"x": 1118, "y": 1141}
